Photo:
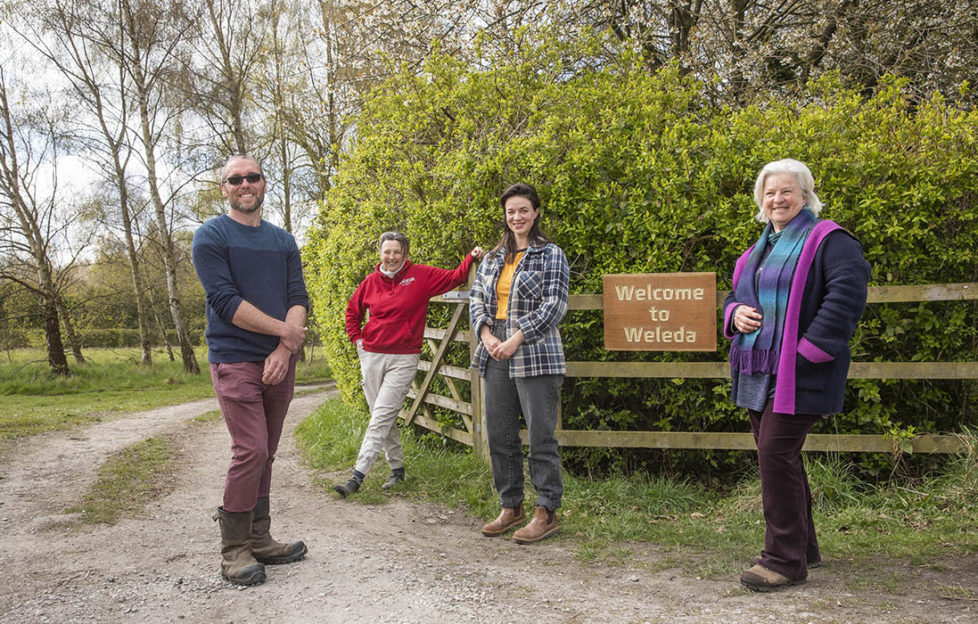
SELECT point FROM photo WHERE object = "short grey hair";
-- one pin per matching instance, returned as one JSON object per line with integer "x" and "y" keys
{"x": 234, "y": 157}
{"x": 394, "y": 236}
{"x": 802, "y": 175}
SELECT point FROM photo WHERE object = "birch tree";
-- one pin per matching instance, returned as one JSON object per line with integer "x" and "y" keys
{"x": 30, "y": 222}
{"x": 73, "y": 36}
{"x": 152, "y": 32}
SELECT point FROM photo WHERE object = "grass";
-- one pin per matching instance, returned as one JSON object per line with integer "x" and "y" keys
{"x": 111, "y": 382}
{"x": 127, "y": 481}
{"x": 133, "y": 477}
{"x": 331, "y": 439}
{"x": 207, "y": 417}
{"x": 705, "y": 532}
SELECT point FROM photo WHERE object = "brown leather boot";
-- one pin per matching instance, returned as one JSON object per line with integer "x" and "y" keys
{"x": 544, "y": 524}
{"x": 508, "y": 518}
{"x": 263, "y": 547}
{"x": 237, "y": 564}
{"x": 811, "y": 564}
{"x": 761, "y": 579}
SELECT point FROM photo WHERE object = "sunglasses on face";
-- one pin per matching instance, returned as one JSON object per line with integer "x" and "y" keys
{"x": 235, "y": 180}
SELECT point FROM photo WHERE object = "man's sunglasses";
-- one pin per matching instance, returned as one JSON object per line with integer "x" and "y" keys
{"x": 235, "y": 180}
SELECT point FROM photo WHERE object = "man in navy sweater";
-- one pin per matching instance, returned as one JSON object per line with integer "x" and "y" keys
{"x": 256, "y": 314}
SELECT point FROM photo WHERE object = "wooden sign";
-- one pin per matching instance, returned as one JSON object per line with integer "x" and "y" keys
{"x": 660, "y": 312}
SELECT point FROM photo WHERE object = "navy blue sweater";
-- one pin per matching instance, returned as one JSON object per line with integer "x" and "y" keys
{"x": 235, "y": 263}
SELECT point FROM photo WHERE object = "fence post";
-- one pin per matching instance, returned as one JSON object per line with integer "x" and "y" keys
{"x": 480, "y": 445}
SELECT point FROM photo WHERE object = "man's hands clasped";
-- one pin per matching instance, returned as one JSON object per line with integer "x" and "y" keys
{"x": 277, "y": 362}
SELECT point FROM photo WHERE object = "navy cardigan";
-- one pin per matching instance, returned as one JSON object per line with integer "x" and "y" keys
{"x": 832, "y": 277}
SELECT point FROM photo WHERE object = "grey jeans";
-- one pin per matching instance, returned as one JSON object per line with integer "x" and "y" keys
{"x": 387, "y": 378}
{"x": 536, "y": 398}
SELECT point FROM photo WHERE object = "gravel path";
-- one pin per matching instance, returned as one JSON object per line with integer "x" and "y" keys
{"x": 399, "y": 562}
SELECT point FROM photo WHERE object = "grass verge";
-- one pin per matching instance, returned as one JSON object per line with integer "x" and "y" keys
{"x": 133, "y": 477}
{"x": 705, "y": 532}
{"x": 127, "y": 481}
{"x": 112, "y": 382}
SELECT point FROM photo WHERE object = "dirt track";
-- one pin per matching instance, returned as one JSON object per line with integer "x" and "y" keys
{"x": 399, "y": 562}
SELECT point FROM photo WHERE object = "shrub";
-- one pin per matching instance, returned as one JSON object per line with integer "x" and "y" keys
{"x": 639, "y": 173}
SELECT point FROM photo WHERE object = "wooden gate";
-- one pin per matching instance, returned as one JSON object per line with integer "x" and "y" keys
{"x": 471, "y": 411}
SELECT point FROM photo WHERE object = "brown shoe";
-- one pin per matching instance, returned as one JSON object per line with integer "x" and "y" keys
{"x": 508, "y": 518}
{"x": 811, "y": 564}
{"x": 544, "y": 524}
{"x": 761, "y": 579}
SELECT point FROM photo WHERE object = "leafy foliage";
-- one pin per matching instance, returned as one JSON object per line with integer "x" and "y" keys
{"x": 640, "y": 173}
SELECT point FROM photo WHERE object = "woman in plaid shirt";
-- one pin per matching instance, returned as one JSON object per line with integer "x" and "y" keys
{"x": 519, "y": 297}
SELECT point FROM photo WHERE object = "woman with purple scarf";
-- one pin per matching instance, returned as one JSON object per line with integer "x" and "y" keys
{"x": 798, "y": 293}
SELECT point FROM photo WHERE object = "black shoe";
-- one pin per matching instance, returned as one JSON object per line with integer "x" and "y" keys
{"x": 396, "y": 478}
{"x": 345, "y": 489}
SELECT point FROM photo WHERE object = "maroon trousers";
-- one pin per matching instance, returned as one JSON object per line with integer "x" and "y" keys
{"x": 254, "y": 414}
{"x": 789, "y": 538}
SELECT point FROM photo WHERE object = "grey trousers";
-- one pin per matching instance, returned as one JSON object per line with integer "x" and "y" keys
{"x": 387, "y": 378}
{"x": 536, "y": 398}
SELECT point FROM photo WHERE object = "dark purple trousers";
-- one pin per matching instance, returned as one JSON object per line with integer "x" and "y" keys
{"x": 789, "y": 538}
{"x": 254, "y": 413}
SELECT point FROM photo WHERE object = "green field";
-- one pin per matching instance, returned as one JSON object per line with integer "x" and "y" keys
{"x": 111, "y": 382}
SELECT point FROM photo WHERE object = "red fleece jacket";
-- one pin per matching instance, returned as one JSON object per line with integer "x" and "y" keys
{"x": 399, "y": 306}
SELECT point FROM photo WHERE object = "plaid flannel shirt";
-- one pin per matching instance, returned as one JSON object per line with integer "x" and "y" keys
{"x": 537, "y": 303}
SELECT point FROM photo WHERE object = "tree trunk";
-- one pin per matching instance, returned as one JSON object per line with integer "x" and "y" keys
{"x": 142, "y": 319}
{"x": 76, "y": 350}
{"x": 166, "y": 241}
{"x": 161, "y": 326}
{"x": 33, "y": 234}
{"x": 52, "y": 334}
{"x": 137, "y": 280}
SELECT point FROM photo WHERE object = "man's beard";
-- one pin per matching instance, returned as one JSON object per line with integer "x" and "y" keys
{"x": 237, "y": 206}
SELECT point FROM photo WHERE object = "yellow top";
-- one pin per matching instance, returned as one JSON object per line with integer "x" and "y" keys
{"x": 503, "y": 285}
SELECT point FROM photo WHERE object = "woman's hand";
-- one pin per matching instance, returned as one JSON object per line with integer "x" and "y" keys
{"x": 478, "y": 253}
{"x": 489, "y": 341}
{"x": 505, "y": 350}
{"x": 746, "y": 319}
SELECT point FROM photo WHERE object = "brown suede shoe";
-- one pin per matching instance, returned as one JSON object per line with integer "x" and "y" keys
{"x": 761, "y": 579}
{"x": 544, "y": 524}
{"x": 508, "y": 518}
{"x": 811, "y": 564}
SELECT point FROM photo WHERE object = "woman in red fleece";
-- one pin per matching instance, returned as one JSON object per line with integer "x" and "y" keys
{"x": 389, "y": 345}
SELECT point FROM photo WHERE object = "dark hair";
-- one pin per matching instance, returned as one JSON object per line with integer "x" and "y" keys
{"x": 399, "y": 238}
{"x": 536, "y": 235}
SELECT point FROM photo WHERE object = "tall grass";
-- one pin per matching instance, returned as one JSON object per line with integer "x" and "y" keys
{"x": 709, "y": 532}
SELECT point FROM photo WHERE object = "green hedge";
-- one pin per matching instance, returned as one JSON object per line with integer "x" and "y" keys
{"x": 639, "y": 173}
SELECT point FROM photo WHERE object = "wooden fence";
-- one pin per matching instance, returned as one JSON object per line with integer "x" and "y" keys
{"x": 418, "y": 411}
